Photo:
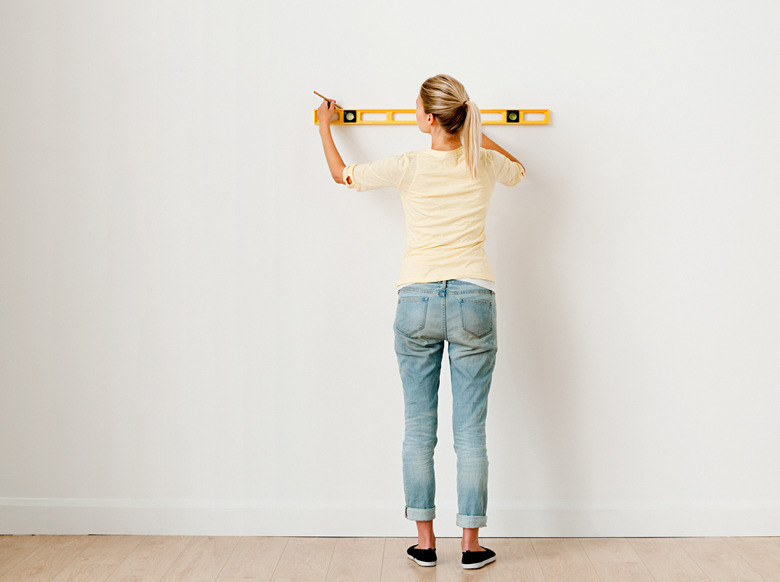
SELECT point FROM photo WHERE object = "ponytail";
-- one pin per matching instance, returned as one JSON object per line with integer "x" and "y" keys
{"x": 472, "y": 137}
{"x": 445, "y": 97}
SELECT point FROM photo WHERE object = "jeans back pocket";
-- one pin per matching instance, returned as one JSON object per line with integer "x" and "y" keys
{"x": 410, "y": 314}
{"x": 476, "y": 316}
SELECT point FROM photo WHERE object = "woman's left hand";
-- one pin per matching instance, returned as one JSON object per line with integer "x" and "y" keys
{"x": 325, "y": 112}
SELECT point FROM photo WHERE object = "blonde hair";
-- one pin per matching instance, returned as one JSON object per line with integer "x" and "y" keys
{"x": 445, "y": 97}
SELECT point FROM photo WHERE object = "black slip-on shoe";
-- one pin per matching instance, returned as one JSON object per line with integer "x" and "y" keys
{"x": 422, "y": 557}
{"x": 475, "y": 560}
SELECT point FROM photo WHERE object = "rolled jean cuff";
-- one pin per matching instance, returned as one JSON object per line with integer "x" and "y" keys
{"x": 470, "y": 521}
{"x": 420, "y": 514}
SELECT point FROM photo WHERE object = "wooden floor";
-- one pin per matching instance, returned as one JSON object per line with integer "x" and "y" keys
{"x": 148, "y": 558}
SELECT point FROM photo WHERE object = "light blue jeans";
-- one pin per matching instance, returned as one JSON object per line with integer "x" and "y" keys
{"x": 464, "y": 315}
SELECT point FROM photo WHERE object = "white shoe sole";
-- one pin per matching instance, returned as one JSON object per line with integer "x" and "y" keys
{"x": 420, "y": 563}
{"x": 478, "y": 564}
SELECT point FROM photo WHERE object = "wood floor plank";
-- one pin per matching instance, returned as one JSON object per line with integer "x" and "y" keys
{"x": 48, "y": 559}
{"x": 272, "y": 559}
{"x": 150, "y": 559}
{"x": 719, "y": 560}
{"x": 99, "y": 559}
{"x": 763, "y": 554}
{"x": 305, "y": 560}
{"x": 667, "y": 561}
{"x": 515, "y": 560}
{"x": 356, "y": 560}
{"x": 253, "y": 559}
{"x": 564, "y": 560}
{"x": 14, "y": 549}
{"x": 615, "y": 560}
{"x": 202, "y": 560}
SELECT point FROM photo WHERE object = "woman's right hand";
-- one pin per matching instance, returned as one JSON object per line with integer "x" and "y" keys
{"x": 325, "y": 112}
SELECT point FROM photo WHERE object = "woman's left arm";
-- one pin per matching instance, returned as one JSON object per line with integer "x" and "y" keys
{"x": 335, "y": 163}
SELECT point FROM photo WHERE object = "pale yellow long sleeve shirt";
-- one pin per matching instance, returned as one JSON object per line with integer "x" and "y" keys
{"x": 445, "y": 208}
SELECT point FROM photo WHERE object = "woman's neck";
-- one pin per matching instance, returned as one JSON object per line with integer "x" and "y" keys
{"x": 443, "y": 141}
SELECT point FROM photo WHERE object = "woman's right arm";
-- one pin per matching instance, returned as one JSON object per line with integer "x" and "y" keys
{"x": 489, "y": 144}
{"x": 332, "y": 156}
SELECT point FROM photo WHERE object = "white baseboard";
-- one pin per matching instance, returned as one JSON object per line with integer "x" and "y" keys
{"x": 21, "y": 516}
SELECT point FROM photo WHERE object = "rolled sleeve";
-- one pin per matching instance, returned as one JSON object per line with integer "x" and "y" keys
{"x": 385, "y": 173}
{"x": 349, "y": 172}
{"x": 508, "y": 172}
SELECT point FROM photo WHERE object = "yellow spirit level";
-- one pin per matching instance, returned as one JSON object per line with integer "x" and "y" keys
{"x": 409, "y": 117}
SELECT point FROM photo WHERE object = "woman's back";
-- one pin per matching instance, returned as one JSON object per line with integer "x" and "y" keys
{"x": 445, "y": 208}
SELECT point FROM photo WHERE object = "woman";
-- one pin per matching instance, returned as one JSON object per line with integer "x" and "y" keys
{"x": 446, "y": 293}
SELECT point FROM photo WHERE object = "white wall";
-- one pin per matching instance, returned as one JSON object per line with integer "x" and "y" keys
{"x": 196, "y": 322}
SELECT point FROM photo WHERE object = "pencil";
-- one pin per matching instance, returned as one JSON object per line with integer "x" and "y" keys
{"x": 326, "y": 99}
